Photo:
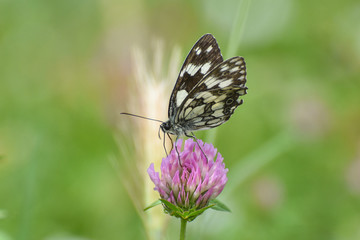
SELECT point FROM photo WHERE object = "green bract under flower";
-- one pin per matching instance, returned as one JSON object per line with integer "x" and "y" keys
{"x": 188, "y": 188}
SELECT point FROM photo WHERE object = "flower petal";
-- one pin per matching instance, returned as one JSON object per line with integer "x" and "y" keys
{"x": 196, "y": 181}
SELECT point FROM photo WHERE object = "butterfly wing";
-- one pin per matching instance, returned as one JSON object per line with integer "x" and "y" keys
{"x": 202, "y": 58}
{"x": 214, "y": 99}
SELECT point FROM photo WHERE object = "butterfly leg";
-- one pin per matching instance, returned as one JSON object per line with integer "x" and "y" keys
{"x": 165, "y": 145}
{"x": 177, "y": 137}
{"x": 193, "y": 137}
{"x": 159, "y": 133}
{"x": 172, "y": 143}
{"x": 172, "y": 146}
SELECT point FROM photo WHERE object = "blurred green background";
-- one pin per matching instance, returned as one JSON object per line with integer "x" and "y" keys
{"x": 292, "y": 148}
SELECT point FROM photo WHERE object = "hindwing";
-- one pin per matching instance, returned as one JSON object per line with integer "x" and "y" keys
{"x": 213, "y": 99}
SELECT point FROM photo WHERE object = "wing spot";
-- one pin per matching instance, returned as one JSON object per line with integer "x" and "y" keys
{"x": 242, "y": 85}
{"x": 229, "y": 101}
{"x": 187, "y": 111}
{"x": 199, "y": 109}
{"x": 216, "y": 120}
{"x": 234, "y": 69}
{"x": 218, "y": 113}
{"x": 220, "y": 98}
{"x": 209, "y": 48}
{"x": 224, "y": 68}
{"x": 188, "y": 102}
{"x": 198, "y": 51}
{"x": 217, "y": 106}
{"x": 239, "y": 62}
{"x": 203, "y": 95}
{"x": 182, "y": 72}
{"x": 213, "y": 83}
{"x": 192, "y": 69}
{"x": 205, "y": 68}
{"x": 209, "y": 81}
{"x": 225, "y": 83}
{"x": 210, "y": 99}
{"x": 180, "y": 96}
{"x": 195, "y": 112}
{"x": 198, "y": 119}
{"x": 241, "y": 92}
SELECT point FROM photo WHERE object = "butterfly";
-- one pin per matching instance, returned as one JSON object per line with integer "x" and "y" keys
{"x": 207, "y": 90}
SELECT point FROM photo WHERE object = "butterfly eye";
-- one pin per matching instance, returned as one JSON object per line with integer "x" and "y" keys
{"x": 166, "y": 126}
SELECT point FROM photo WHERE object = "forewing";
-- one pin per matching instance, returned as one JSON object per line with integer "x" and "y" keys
{"x": 202, "y": 58}
{"x": 214, "y": 99}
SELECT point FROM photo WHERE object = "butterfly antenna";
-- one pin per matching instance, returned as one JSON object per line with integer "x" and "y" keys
{"x": 134, "y": 115}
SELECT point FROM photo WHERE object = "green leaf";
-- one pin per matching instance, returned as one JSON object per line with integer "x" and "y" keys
{"x": 192, "y": 215}
{"x": 189, "y": 214}
{"x": 171, "y": 206}
{"x": 158, "y": 202}
{"x": 219, "y": 206}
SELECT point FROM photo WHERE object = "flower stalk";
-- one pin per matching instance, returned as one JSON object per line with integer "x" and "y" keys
{"x": 183, "y": 229}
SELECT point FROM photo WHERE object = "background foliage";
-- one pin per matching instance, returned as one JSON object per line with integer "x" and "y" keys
{"x": 292, "y": 149}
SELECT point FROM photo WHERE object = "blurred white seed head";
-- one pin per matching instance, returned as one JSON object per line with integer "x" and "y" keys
{"x": 147, "y": 94}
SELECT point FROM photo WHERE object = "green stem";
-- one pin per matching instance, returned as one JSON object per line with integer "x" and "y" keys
{"x": 183, "y": 229}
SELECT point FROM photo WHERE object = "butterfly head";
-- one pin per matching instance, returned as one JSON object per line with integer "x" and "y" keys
{"x": 174, "y": 129}
{"x": 166, "y": 127}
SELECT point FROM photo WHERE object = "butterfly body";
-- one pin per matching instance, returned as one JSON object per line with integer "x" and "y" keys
{"x": 207, "y": 90}
{"x": 177, "y": 130}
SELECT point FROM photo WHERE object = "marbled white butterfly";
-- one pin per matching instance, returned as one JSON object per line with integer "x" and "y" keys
{"x": 206, "y": 92}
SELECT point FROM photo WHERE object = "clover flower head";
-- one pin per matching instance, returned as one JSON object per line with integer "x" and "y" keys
{"x": 194, "y": 182}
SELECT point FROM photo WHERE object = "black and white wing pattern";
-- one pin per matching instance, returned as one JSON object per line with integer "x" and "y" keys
{"x": 202, "y": 58}
{"x": 207, "y": 90}
{"x": 213, "y": 100}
